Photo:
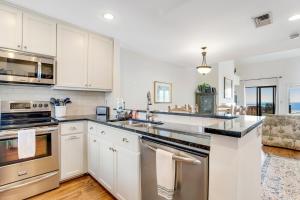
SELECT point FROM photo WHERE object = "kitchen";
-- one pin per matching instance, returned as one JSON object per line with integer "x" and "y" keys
{"x": 48, "y": 140}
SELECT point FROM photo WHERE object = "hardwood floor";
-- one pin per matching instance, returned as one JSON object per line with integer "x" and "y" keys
{"x": 287, "y": 153}
{"x": 86, "y": 188}
{"x": 83, "y": 188}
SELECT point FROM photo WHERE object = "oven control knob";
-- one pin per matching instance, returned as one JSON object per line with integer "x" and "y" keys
{"x": 34, "y": 105}
{"x": 40, "y": 105}
{"x": 46, "y": 105}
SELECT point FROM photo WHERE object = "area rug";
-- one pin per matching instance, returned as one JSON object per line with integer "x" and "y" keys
{"x": 280, "y": 178}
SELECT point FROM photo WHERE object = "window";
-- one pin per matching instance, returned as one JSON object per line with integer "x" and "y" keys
{"x": 294, "y": 100}
{"x": 261, "y": 100}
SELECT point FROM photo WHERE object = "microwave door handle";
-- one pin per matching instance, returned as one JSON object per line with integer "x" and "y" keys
{"x": 39, "y": 75}
{"x": 175, "y": 157}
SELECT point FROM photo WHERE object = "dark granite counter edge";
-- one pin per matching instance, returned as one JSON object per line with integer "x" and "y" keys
{"x": 139, "y": 132}
{"x": 216, "y": 116}
{"x": 237, "y": 134}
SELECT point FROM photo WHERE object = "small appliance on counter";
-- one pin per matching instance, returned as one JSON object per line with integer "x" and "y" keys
{"x": 102, "y": 111}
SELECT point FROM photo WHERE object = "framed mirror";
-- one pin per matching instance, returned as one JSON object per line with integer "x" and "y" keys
{"x": 162, "y": 92}
{"x": 228, "y": 84}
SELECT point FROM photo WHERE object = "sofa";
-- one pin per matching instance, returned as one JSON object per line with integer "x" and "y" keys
{"x": 282, "y": 131}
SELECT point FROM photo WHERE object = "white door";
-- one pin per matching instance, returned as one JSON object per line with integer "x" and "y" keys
{"x": 39, "y": 35}
{"x": 100, "y": 62}
{"x": 10, "y": 27}
{"x": 72, "y": 47}
{"x": 106, "y": 169}
{"x": 127, "y": 174}
{"x": 71, "y": 155}
{"x": 93, "y": 155}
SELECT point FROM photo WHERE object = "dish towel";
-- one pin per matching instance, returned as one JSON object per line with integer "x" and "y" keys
{"x": 165, "y": 172}
{"x": 26, "y": 143}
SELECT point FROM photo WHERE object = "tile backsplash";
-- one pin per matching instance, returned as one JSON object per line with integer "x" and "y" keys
{"x": 83, "y": 102}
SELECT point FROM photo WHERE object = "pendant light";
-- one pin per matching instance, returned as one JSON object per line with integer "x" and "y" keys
{"x": 204, "y": 68}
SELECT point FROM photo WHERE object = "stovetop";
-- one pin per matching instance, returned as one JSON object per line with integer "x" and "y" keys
{"x": 25, "y": 120}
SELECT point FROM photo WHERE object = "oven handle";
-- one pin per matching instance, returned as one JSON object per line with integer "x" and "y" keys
{"x": 13, "y": 133}
{"x": 177, "y": 158}
{"x": 16, "y": 185}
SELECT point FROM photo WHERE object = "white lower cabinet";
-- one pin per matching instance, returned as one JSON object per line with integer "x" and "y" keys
{"x": 71, "y": 155}
{"x": 117, "y": 163}
{"x": 127, "y": 174}
{"x": 72, "y": 150}
{"x": 106, "y": 165}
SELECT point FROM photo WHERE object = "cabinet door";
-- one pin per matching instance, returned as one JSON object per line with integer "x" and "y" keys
{"x": 106, "y": 169}
{"x": 100, "y": 62}
{"x": 10, "y": 27}
{"x": 71, "y": 155}
{"x": 39, "y": 35}
{"x": 127, "y": 174}
{"x": 93, "y": 155}
{"x": 72, "y": 47}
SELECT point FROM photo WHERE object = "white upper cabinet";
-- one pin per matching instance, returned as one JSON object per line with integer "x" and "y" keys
{"x": 72, "y": 47}
{"x": 39, "y": 35}
{"x": 100, "y": 62}
{"x": 10, "y": 27}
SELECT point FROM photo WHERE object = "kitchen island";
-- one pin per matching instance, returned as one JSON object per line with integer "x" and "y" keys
{"x": 233, "y": 145}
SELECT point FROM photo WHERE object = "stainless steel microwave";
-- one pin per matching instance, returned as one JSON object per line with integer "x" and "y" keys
{"x": 26, "y": 68}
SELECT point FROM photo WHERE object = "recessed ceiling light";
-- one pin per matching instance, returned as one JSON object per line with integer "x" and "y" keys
{"x": 108, "y": 16}
{"x": 294, "y": 17}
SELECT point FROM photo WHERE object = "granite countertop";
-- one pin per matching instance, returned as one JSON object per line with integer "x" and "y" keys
{"x": 192, "y": 136}
{"x": 237, "y": 127}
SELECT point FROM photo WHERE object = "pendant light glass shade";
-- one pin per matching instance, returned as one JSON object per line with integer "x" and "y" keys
{"x": 204, "y": 68}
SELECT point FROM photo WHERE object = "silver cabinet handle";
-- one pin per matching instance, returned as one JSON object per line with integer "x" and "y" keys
{"x": 24, "y": 183}
{"x": 125, "y": 140}
{"x": 25, "y": 47}
{"x": 91, "y": 128}
{"x": 94, "y": 140}
{"x": 103, "y": 132}
{"x": 22, "y": 173}
{"x": 19, "y": 46}
{"x": 74, "y": 137}
{"x": 111, "y": 149}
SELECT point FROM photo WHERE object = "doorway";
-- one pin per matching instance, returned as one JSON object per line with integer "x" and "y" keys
{"x": 261, "y": 100}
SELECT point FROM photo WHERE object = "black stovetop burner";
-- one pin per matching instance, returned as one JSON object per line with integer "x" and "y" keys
{"x": 26, "y": 119}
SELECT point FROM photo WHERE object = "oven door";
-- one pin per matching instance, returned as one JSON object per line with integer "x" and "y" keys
{"x": 45, "y": 160}
{"x": 19, "y": 67}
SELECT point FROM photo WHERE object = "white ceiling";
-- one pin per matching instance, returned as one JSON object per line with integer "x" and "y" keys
{"x": 175, "y": 30}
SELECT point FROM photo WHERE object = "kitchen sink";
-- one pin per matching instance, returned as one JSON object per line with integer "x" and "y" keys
{"x": 139, "y": 123}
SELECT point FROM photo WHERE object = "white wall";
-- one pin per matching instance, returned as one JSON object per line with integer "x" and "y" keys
{"x": 138, "y": 72}
{"x": 83, "y": 102}
{"x": 216, "y": 79}
{"x": 289, "y": 69}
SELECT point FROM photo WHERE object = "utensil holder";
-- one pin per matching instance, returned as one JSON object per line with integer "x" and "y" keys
{"x": 60, "y": 111}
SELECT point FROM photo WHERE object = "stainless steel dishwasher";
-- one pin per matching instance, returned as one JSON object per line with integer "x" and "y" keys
{"x": 191, "y": 178}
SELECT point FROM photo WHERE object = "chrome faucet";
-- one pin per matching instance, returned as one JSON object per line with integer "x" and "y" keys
{"x": 148, "y": 114}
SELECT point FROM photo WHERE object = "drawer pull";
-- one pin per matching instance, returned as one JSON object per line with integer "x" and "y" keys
{"x": 103, "y": 132}
{"x": 94, "y": 140}
{"x": 22, "y": 173}
{"x": 73, "y": 137}
{"x": 111, "y": 149}
{"x": 91, "y": 128}
{"x": 125, "y": 140}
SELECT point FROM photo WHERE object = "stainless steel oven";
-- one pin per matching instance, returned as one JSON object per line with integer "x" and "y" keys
{"x": 21, "y": 67}
{"x": 21, "y": 178}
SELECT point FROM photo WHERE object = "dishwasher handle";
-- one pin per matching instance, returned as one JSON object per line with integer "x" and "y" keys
{"x": 175, "y": 157}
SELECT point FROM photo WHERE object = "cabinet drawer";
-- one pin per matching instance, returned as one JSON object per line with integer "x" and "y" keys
{"x": 126, "y": 140}
{"x": 72, "y": 127}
